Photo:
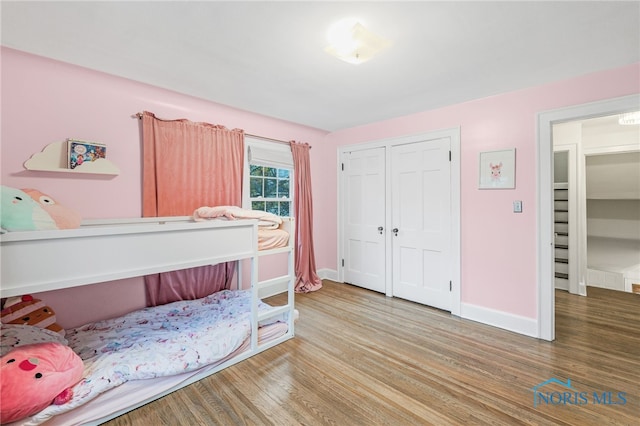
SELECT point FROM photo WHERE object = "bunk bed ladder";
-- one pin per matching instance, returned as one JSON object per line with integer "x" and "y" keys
{"x": 271, "y": 287}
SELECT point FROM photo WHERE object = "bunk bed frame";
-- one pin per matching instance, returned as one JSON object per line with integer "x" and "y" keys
{"x": 38, "y": 261}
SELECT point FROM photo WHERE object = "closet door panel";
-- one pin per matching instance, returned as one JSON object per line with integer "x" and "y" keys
{"x": 364, "y": 257}
{"x": 421, "y": 214}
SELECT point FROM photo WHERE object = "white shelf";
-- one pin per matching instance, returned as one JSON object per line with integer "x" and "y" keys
{"x": 53, "y": 158}
{"x": 614, "y": 196}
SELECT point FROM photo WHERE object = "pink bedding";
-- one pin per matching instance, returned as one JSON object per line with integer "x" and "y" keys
{"x": 270, "y": 235}
{"x": 265, "y": 220}
{"x": 269, "y": 239}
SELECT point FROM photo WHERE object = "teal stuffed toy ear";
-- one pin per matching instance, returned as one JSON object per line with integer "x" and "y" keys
{"x": 20, "y": 212}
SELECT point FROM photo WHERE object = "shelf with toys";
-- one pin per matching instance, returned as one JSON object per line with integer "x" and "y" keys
{"x": 55, "y": 158}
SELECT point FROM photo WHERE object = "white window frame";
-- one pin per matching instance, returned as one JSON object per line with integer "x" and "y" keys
{"x": 267, "y": 153}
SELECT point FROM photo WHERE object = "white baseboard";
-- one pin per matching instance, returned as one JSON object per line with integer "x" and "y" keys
{"x": 511, "y": 322}
{"x": 582, "y": 289}
{"x": 328, "y": 274}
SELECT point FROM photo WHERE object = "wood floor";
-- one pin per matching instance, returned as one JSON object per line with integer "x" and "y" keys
{"x": 360, "y": 358}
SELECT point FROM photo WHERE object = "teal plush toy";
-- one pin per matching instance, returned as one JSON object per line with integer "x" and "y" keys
{"x": 20, "y": 212}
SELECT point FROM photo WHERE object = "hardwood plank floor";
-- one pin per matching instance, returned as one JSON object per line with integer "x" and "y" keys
{"x": 360, "y": 358}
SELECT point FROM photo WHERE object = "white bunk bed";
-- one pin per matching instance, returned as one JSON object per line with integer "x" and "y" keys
{"x": 38, "y": 261}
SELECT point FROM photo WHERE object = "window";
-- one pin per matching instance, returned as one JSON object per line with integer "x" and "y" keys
{"x": 270, "y": 189}
{"x": 268, "y": 180}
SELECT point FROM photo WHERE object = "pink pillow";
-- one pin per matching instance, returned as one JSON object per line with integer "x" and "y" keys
{"x": 35, "y": 376}
{"x": 64, "y": 217}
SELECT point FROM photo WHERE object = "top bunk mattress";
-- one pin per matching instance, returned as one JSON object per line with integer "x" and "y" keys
{"x": 273, "y": 230}
{"x": 269, "y": 239}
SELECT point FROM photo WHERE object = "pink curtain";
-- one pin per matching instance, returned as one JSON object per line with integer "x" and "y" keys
{"x": 307, "y": 279}
{"x": 187, "y": 165}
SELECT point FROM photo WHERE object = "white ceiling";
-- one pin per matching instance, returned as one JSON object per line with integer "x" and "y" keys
{"x": 268, "y": 57}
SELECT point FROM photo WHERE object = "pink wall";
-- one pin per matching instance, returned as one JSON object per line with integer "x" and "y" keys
{"x": 498, "y": 246}
{"x": 45, "y": 101}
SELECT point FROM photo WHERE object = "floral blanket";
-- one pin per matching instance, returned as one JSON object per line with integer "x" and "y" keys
{"x": 158, "y": 341}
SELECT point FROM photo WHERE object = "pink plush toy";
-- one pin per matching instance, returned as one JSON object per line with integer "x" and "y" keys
{"x": 36, "y": 376}
{"x": 64, "y": 217}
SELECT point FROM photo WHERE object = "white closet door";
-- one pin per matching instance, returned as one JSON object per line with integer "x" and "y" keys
{"x": 421, "y": 222}
{"x": 364, "y": 257}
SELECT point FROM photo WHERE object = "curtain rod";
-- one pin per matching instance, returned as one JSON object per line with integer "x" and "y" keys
{"x": 270, "y": 139}
{"x": 139, "y": 116}
{"x": 265, "y": 138}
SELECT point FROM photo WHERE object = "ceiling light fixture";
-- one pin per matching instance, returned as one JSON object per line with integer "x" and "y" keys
{"x": 351, "y": 42}
{"x": 629, "y": 118}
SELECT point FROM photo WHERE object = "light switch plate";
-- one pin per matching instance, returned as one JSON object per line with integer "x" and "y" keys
{"x": 517, "y": 206}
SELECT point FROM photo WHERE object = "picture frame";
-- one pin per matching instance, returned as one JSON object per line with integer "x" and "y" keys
{"x": 79, "y": 152}
{"x": 497, "y": 169}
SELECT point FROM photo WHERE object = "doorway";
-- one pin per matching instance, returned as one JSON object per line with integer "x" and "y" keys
{"x": 597, "y": 230}
{"x": 545, "y": 258}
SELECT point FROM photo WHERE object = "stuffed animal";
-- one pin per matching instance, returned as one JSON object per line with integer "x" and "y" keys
{"x": 36, "y": 376}
{"x": 20, "y": 212}
{"x": 64, "y": 217}
{"x": 29, "y": 311}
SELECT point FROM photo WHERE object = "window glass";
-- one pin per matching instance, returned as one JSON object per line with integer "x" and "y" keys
{"x": 269, "y": 189}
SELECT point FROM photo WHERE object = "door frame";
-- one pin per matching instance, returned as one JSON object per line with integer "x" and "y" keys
{"x": 544, "y": 219}
{"x": 454, "y": 136}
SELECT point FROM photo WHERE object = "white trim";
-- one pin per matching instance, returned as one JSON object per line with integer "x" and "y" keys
{"x": 581, "y": 219}
{"x": 271, "y": 154}
{"x": 328, "y": 274}
{"x": 339, "y": 212}
{"x": 456, "y": 247}
{"x": 504, "y": 320}
{"x": 615, "y": 149}
{"x": 544, "y": 219}
{"x": 454, "y": 136}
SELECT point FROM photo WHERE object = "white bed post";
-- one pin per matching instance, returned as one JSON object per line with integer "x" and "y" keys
{"x": 255, "y": 296}
{"x": 292, "y": 273}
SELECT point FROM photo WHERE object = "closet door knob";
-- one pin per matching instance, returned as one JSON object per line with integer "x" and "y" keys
{"x": 395, "y": 231}
{"x": 380, "y": 229}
